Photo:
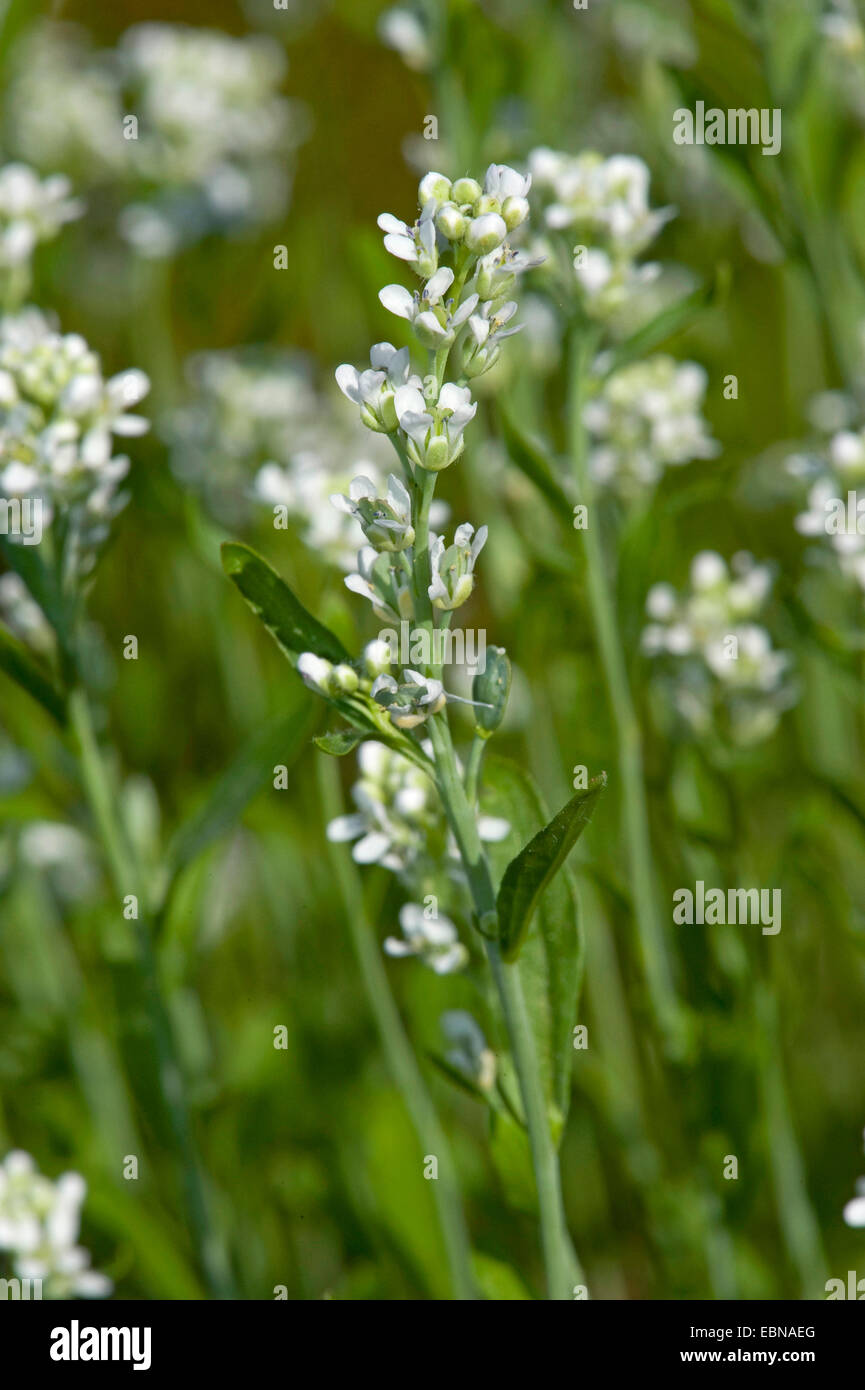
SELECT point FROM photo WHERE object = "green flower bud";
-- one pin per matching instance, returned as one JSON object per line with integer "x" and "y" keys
{"x": 486, "y": 233}
{"x": 487, "y": 204}
{"x": 433, "y": 188}
{"x": 437, "y": 454}
{"x": 451, "y": 222}
{"x": 491, "y": 687}
{"x": 466, "y": 191}
{"x": 344, "y": 680}
{"x": 515, "y": 211}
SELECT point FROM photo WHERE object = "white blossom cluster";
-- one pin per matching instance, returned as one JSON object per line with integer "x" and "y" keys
{"x": 398, "y": 823}
{"x": 261, "y": 414}
{"x": 58, "y": 414}
{"x": 833, "y": 473}
{"x": 723, "y": 660}
{"x": 603, "y": 205}
{"x": 646, "y": 418}
{"x": 213, "y": 139}
{"x": 32, "y": 210}
{"x": 39, "y": 1225}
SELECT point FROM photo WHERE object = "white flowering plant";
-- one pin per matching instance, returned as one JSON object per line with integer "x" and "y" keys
{"x": 418, "y": 808}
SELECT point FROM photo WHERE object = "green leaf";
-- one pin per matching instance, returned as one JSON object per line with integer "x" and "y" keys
{"x": 551, "y": 961}
{"x": 675, "y": 318}
{"x": 498, "y": 1281}
{"x": 293, "y": 628}
{"x": 532, "y": 460}
{"x": 536, "y": 865}
{"x": 338, "y": 742}
{"x": 278, "y": 741}
{"x": 17, "y": 662}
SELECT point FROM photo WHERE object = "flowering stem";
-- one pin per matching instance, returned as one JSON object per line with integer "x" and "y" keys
{"x": 560, "y": 1259}
{"x": 126, "y": 879}
{"x": 398, "y": 1050}
{"x": 653, "y": 947}
{"x": 473, "y": 770}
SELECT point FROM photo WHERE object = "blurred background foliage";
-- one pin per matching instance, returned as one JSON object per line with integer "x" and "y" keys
{"x": 312, "y": 1165}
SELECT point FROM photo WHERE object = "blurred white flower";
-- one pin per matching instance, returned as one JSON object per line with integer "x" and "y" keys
{"x": 39, "y": 1225}
{"x": 727, "y": 657}
{"x": 646, "y": 418}
{"x": 397, "y": 810}
{"x": 32, "y": 210}
{"x": 405, "y": 31}
{"x": 435, "y": 940}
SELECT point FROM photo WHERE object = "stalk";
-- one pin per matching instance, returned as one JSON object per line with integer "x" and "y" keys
{"x": 398, "y": 1051}
{"x": 125, "y": 876}
{"x": 562, "y": 1266}
{"x": 653, "y": 946}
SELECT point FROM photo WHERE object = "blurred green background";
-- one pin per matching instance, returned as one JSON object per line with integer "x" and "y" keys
{"x": 310, "y": 1160}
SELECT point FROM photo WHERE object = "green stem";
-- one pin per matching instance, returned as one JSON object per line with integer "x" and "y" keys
{"x": 560, "y": 1259}
{"x": 653, "y": 946}
{"x": 398, "y": 1051}
{"x": 473, "y": 769}
{"x": 126, "y": 879}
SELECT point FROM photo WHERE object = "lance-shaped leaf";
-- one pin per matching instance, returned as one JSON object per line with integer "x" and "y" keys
{"x": 551, "y": 961}
{"x": 531, "y": 459}
{"x": 536, "y": 865}
{"x": 294, "y": 629}
{"x": 17, "y": 662}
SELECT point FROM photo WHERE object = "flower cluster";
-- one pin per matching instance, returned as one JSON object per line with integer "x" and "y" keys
{"x": 32, "y": 210}
{"x": 724, "y": 658}
{"x": 646, "y": 418}
{"x": 39, "y": 1224}
{"x": 250, "y": 410}
{"x": 604, "y": 205}
{"x": 833, "y": 473}
{"x": 58, "y": 414}
{"x": 212, "y": 138}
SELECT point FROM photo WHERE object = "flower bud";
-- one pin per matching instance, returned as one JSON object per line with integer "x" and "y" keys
{"x": 343, "y": 680}
{"x": 515, "y": 211}
{"x": 486, "y": 233}
{"x": 451, "y": 222}
{"x": 490, "y": 688}
{"x": 487, "y": 204}
{"x": 437, "y": 454}
{"x": 466, "y": 191}
{"x": 376, "y": 658}
{"x": 433, "y": 188}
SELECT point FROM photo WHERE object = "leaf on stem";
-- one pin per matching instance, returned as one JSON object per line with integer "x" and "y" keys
{"x": 18, "y": 663}
{"x": 292, "y": 627}
{"x": 536, "y": 865}
{"x": 338, "y": 742}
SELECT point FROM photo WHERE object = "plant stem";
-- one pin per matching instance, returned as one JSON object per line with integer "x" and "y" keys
{"x": 126, "y": 879}
{"x": 562, "y": 1266}
{"x": 653, "y": 947}
{"x": 398, "y": 1051}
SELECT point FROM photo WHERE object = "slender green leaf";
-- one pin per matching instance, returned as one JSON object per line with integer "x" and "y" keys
{"x": 536, "y": 865}
{"x": 18, "y": 663}
{"x": 294, "y": 629}
{"x": 532, "y": 460}
{"x": 551, "y": 961}
{"x": 675, "y": 318}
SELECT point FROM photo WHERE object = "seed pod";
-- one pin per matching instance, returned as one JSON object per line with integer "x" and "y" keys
{"x": 490, "y": 690}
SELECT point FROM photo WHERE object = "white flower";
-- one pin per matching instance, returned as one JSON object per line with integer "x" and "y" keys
{"x": 607, "y": 199}
{"x": 374, "y": 390}
{"x": 32, "y": 210}
{"x": 385, "y": 521}
{"x": 397, "y": 811}
{"x": 387, "y": 587}
{"x": 487, "y": 330}
{"x": 403, "y": 30}
{"x": 39, "y": 1225}
{"x": 412, "y": 702}
{"x": 435, "y": 940}
{"x": 452, "y": 568}
{"x": 415, "y": 244}
{"x": 434, "y": 433}
{"x": 435, "y": 324}
{"x": 647, "y": 418}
